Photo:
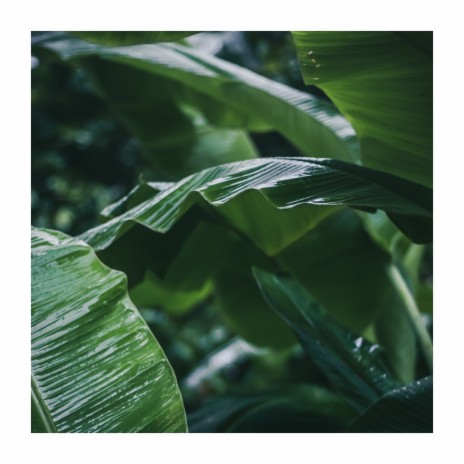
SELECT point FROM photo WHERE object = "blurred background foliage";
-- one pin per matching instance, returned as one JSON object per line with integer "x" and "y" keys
{"x": 84, "y": 158}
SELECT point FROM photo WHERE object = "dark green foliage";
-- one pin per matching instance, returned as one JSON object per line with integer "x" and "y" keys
{"x": 276, "y": 239}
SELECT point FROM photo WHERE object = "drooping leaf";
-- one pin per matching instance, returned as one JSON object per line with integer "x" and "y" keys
{"x": 232, "y": 96}
{"x": 253, "y": 215}
{"x": 118, "y": 38}
{"x": 351, "y": 363}
{"x": 301, "y": 409}
{"x": 382, "y": 83}
{"x": 96, "y": 367}
{"x": 275, "y": 201}
{"x": 408, "y": 409}
{"x": 176, "y": 141}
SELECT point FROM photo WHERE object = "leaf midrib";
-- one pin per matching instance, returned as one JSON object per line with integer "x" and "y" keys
{"x": 42, "y": 408}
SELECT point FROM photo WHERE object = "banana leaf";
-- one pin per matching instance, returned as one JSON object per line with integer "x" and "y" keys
{"x": 229, "y": 95}
{"x": 176, "y": 141}
{"x": 408, "y": 409}
{"x": 382, "y": 82}
{"x": 359, "y": 297}
{"x": 353, "y": 365}
{"x": 96, "y": 366}
{"x": 275, "y": 201}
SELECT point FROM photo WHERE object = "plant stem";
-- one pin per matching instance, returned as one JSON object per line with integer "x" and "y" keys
{"x": 413, "y": 314}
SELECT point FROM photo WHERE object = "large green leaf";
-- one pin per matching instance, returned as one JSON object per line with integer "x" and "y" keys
{"x": 408, "y": 409}
{"x": 264, "y": 217}
{"x": 295, "y": 409}
{"x": 176, "y": 141}
{"x": 116, "y": 38}
{"x": 354, "y": 266}
{"x": 96, "y": 366}
{"x": 231, "y": 95}
{"x": 351, "y": 363}
{"x": 383, "y": 83}
{"x": 275, "y": 201}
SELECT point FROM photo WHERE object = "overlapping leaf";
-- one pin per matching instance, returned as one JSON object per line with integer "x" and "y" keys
{"x": 231, "y": 96}
{"x": 351, "y": 363}
{"x": 408, "y": 409}
{"x": 383, "y": 83}
{"x": 96, "y": 366}
{"x": 258, "y": 204}
{"x": 176, "y": 142}
{"x": 275, "y": 201}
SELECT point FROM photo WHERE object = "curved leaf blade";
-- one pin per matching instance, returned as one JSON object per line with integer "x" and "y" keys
{"x": 274, "y": 201}
{"x": 176, "y": 142}
{"x": 96, "y": 367}
{"x": 383, "y": 83}
{"x": 351, "y": 363}
{"x": 408, "y": 409}
{"x": 233, "y": 96}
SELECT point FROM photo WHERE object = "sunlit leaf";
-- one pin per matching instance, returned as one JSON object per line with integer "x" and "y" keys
{"x": 382, "y": 83}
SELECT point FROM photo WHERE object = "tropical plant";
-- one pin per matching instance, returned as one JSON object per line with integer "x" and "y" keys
{"x": 311, "y": 268}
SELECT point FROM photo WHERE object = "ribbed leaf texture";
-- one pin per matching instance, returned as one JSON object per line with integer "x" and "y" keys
{"x": 96, "y": 366}
{"x": 274, "y": 201}
{"x": 383, "y": 84}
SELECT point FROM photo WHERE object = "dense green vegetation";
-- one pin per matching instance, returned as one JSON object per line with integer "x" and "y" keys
{"x": 232, "y": 232}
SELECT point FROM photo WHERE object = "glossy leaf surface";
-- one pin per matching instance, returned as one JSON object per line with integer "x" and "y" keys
{"x": 275, "y": 201}
{"x": 408, "y": 409}
{"x": 382, "y": 83}
{"x": 96, "y": 366}
{"x": 232, "y": 96}
{"x": 355, "y": 266}
{"x": 351, "y": 363}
